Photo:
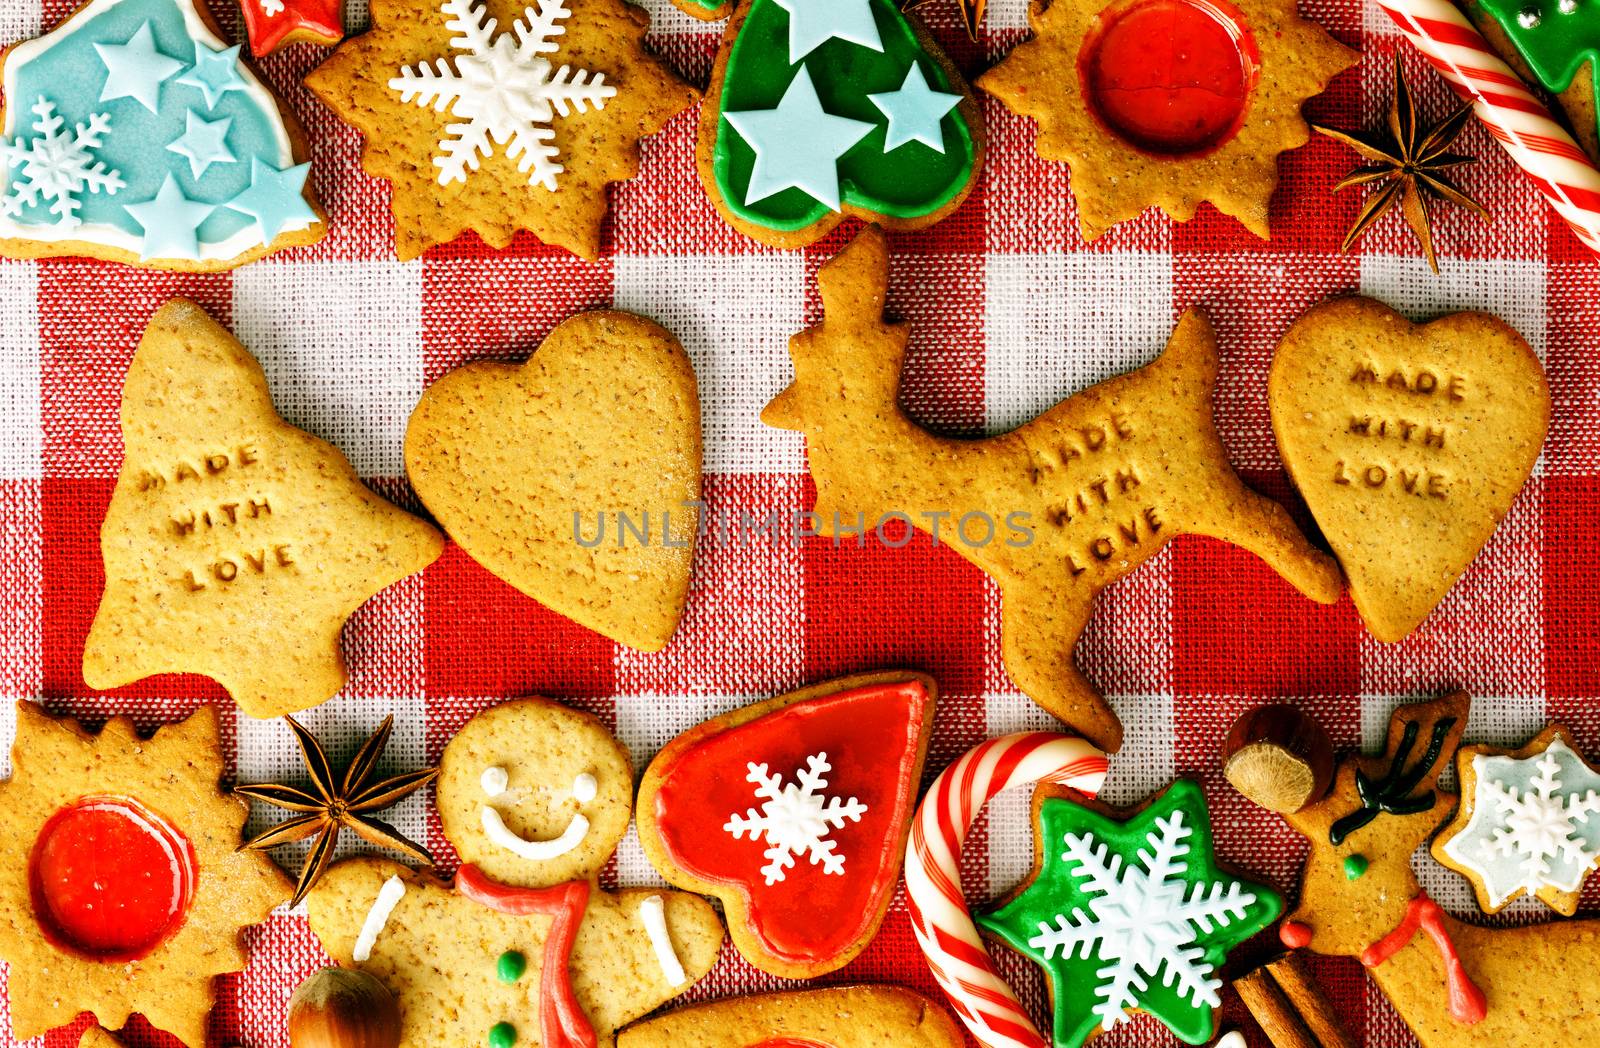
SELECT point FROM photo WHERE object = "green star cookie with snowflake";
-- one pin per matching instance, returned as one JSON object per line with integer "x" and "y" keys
{"x": 1132, "y": 915}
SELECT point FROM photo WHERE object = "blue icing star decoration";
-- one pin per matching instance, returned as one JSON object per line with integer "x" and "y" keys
{"x": 136, "y": 69}
{"x": 813, "y": 23}
{"x": 797, "y": 145}
{"x": 275, "y": 199}
{"x": 145, "y": 95}
{"x": 914, "y": 111}
{"x": 171, "y": 223}
{"x": 214, "y": 73}
{"x": 1133, "y": 914}
{"x": 203, "y": 143}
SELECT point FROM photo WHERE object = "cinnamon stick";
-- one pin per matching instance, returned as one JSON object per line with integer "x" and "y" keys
{"x": 1290, "y": 1008}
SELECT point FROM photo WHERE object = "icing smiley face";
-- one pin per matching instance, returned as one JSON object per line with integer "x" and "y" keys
{"x": 535, "y": 794}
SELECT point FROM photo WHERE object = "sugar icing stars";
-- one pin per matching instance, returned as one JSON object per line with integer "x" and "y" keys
{"x": 203, "y": 143}
{"x": 215, "y": 73}
{"x": 136, "y": 69}
{"x": 813, "y": 23}
{"x": 171, "y": 223}
{"x": 914, "y": 111}
{"x": 275, "y": 199}
{"x": 797, "y": 145}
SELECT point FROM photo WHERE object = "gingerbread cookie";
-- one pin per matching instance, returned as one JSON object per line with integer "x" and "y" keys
{"x": 148, "y": 931}
{"x": 1554, "y": 44}
{"x": 1072, "y": 501}
{"x": 835, "y": 1017}
{"x": 1407, "y": 442}
{"x": 133, "y": 133}
{"x": 1529, "y": 822}
{"x": 235, "y": 545}
{"x": 1142, "y": 122}
{"x": 1130, "y": 914}
{"x": 819, "y": 109}
{"x": 575, "y": 476}
{"x": 534, "y": 793}
{"x": 794, "y": 812}
{"x": 478, "y": 962}
{"x": 96, "y": 1037}
{"x": 1456, "y": 985}
{"x": 500, "y": 115}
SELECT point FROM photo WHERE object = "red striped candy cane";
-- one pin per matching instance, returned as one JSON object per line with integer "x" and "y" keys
{"x": 1511, "y": 112}
{"x": 939, "y": 915}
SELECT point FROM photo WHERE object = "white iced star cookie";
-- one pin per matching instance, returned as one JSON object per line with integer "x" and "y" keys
{"x": 534, "y": 793}
{"x": 131, "y": 135}
{"x": 1529, "y": 822}
{"x": 501, "y": 115}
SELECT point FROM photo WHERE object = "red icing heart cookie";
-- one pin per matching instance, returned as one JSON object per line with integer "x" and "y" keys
{"x": 794, "y": 812}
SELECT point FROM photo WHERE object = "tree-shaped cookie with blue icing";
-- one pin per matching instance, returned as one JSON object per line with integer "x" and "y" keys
{"x": 134, "y": 133}
{"x": 819, "y": 109}
{"x": 1132, "y": 915}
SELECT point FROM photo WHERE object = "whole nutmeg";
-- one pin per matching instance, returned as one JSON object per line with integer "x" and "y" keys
{"x": 1279, "y": 758}
{"x": 343, "y": 1008}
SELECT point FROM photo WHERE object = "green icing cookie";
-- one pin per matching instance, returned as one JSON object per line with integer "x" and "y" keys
{"x": 1555, "y": 37}
{"x": 1132, "y": 914}
{"x": 829, "y": 42}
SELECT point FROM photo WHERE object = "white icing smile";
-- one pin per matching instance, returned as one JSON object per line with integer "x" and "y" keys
{"x": 393, "y": 890}
{"x": 494, "y": 781}
{"x": 653, "y": 911}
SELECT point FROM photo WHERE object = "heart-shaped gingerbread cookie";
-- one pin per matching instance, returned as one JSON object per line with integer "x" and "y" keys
{"x": 575, "y": 477}
{"x": 1408, "y": 442}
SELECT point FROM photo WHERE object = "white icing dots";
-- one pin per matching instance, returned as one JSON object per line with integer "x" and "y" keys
{"x": 653, "y": 911}
{"x": 494, "y": 781}
{"x": 389, "y": 896}
{"x": 584, "y": 788}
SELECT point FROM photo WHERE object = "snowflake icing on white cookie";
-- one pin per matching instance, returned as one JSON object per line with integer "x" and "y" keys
{"x": 58, "y": 166}
{"x": 503, "y": 90}
{"x": 1530, "y": 827}
{"x": 796, "y": 819}
{"x": 1141, "y": 922}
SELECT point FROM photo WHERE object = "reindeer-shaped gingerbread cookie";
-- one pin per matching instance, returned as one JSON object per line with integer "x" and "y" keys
{"x": 1457, "y": 985}
{"x": 535, "y": 953}
{"x": 1103, "y": 479}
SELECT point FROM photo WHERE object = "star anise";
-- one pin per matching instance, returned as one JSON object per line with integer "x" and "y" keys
{"x": 339, "y": 802}
{"x": 1411, "y": 163}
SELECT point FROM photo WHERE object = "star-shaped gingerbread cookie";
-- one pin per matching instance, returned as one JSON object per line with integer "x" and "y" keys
{"x": 235, "y": 545}
{"x": 1145, "y": 122}
{"x": 500, "y": 115}
{"x": 122, "y": 886}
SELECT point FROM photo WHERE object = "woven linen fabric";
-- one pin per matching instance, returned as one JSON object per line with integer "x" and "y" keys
{"x": 1010, "y": 312}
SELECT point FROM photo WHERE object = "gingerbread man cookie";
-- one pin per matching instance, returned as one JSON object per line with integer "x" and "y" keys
{"x": 482, "y": 961}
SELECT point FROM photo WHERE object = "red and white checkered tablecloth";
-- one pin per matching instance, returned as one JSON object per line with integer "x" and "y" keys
{"x": 1011, "y": 311}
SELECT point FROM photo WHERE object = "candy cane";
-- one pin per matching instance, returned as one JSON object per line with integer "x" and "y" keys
{"x": 1517, "y": 119}
{"x": 939, "y": 916}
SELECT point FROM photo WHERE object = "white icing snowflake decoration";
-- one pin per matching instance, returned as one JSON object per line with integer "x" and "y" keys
{"x": 505, "y": 93}
{"x": 796, "y": 819}
{"x": 1530, "y": 827}
{"x": 1141, "y": 922}
{"x": 58, "y": 166}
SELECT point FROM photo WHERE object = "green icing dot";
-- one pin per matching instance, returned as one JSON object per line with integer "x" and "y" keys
{"x": 502, "y": 1035}
{"x": 510, "y": 968}
{"x": 1355, "y": 866}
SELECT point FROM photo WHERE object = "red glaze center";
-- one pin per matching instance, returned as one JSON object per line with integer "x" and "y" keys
{"x": 110, "y": 880}
{"x": 1170, "y": 77}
